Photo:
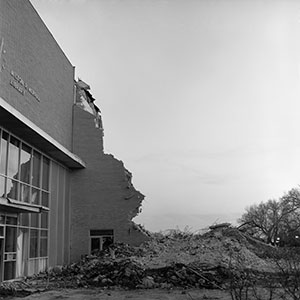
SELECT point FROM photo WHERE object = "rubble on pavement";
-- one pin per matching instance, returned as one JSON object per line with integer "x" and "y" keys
{"x": 175, "y": 259}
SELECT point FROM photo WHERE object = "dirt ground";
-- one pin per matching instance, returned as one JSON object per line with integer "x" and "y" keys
{"x": 153, "y": 294}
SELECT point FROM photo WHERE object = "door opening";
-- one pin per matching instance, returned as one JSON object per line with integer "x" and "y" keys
{"x": 10, "y": 249}
{"x": 1, "y": 258}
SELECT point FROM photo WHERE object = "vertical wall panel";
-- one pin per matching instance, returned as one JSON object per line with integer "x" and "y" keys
{"x": 53, "y": 215}
{"x": 60, "y": 216}
{"x": 67, "y": 220}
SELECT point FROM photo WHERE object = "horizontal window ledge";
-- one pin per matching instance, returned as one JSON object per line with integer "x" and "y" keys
{"x": 14, "y": 206}
{"x": 12, "y": 120}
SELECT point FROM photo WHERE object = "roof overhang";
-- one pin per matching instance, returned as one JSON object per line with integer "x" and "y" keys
{"x": 18, "y": 124}
{"x": 13, "y": 206}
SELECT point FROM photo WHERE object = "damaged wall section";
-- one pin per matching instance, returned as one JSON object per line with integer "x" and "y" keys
{"x": 103, "y": 197}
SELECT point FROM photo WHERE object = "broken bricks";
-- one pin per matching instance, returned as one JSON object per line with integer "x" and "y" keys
{"x": 166, "y": 261}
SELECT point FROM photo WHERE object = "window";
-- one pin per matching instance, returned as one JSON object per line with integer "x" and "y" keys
{"x": 100, "y": 239}
{"x": 25, "y": 162}
{"x": 13, "y": 158}
{"x": 33, "y": 252}
{"x": 43, "y": 243}
{"x": 46, "y": 168}
{"x": 3, "y": 153}
{"x": 25, "y": 177}
{"x": 36, "y": 169}
{"x": 24, "y": 172}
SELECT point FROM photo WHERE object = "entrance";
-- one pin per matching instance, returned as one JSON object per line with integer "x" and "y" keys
{"x": 8, "y": 247}
{"x": 10, "y": 253}
{"x": 1, "y": 246}
{"x": 1, "y": 258}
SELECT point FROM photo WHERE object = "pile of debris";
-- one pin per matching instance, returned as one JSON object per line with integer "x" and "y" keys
{"x": 173, "y": 259}
{"x": 107, "y": 270}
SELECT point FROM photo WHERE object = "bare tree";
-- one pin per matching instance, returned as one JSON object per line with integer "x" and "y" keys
{"x": 275, "y": 218}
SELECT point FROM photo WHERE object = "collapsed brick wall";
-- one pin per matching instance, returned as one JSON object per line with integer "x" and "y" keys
{"x": 102, "y": 195}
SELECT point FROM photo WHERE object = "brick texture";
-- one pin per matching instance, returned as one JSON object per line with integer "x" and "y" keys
{"x": 101, "y": 198}
{"x": 40, "y": 66}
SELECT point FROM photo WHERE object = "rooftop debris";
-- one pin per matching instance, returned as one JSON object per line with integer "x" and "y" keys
{"x": 86, "y": 101}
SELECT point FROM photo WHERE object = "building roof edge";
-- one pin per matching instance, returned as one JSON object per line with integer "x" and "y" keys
{"x": 45, "y": 142}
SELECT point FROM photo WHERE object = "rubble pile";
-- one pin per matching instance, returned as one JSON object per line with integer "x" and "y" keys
{"x": 219, "y": 247}
{"x": 166, "y": 261}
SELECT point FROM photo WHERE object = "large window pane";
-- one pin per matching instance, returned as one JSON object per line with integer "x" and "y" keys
{"x": 24, "y": 219}
{"x": 12, "y": 189}
{"x": 3, "y": 153}
{"x": 9, "y": 270}
{"x": 25, "y": 163}
{"x": 24, "y": 193}
{"x": 34, "y": 220}
{"x": 45, "y": 199}
{"x": 44, "y": 220}
{"x": 46, "y": 169}
{"x": 13, "y": 158}
{"x": 33, "y": 251}
{"x": 44, "y": 243}
{"x": 35, "y": 196}
{"x": 11, "y": 220}
{"x": 11, "y": 239}
{"x": 36, "y": 170}
{"x": 2, "y": 186}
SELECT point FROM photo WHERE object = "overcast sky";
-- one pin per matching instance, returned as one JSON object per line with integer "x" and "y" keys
{"x": 200, "y": 99}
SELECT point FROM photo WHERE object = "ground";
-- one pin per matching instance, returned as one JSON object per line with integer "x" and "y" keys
{"x": 174, "y": 266}
{"x": 153, "y": 294}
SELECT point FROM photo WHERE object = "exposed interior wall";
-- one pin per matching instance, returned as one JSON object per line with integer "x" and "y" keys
{"x": 36, "y": 78}
{"x": 103, "y": 196}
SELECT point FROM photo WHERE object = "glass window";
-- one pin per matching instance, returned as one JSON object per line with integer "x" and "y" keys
{"x": 13, "y": 158}
{"x": 2, "y": 186}
{"x": 34, "y": 220}
{"x": 24, "y": 219}
{"x": 36, "y": 169}
{"x": 12, "y": 189}
{"x": 46, "y": 168}
{"x": 25, "y": 163}
{"x": 44, "y": 243}
{"x": 9, "y": 270}
{"x": 44, "y": 220}
{"x": 33, "y": 249}
{"x": 35, "y": 196}
{"x": 24, "y": 192}
{"x": 11, "y": 239}
{"x": 11, "y": 220}
{"x": 3, "y": 153}
{"x": 45, "y": 199}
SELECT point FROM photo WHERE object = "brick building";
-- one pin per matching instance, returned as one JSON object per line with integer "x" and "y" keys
{"x": 61, "y": 196}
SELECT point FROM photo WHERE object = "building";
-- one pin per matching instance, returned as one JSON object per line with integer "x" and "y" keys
{"x": 61, "y": 196}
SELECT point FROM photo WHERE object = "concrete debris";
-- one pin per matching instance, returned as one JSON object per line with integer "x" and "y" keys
{"x": 220, "y": 225}
{"x": 175, "y": 260}
{"x": 17, "y": 288}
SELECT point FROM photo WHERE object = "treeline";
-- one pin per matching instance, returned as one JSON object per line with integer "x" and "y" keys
{"x": 275, "y": 221}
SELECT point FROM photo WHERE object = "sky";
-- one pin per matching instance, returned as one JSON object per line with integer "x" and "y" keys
{"x": 200, "y": 98}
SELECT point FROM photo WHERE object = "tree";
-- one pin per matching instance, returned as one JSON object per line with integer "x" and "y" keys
{"x": 275, "y": 218}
